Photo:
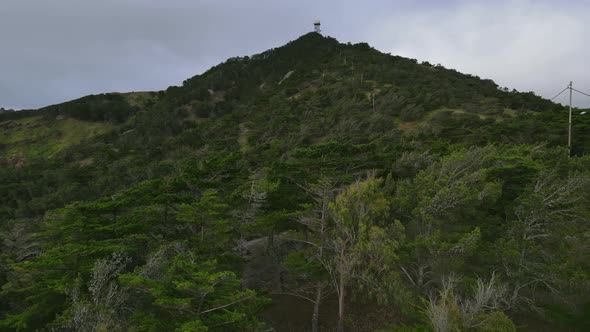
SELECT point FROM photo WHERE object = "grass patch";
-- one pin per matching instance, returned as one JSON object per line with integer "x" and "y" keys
{"x": 36, "y": 137}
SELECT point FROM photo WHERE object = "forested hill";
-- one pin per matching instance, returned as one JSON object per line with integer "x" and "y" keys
{"x": 364, "y": 190}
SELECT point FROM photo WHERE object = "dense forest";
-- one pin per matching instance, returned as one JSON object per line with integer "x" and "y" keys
{"x": 317, "y": 186}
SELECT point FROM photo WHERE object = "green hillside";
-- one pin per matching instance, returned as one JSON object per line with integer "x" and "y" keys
{"x": 316, "y": 186}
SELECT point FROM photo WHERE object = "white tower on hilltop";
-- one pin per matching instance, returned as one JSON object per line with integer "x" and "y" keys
{"x": 316, "y": 26}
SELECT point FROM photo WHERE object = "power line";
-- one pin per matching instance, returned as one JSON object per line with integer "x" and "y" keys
{"x": 567, "y": 88}
{"x": 562, "y": 91}
{"x": 578, "y": 91}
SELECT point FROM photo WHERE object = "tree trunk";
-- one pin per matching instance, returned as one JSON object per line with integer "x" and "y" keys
{"x": 340, "y": 327}
{"x": 316, "y": 309}
{"x": 270, "y": 241}
{"x": 420, "y": 281}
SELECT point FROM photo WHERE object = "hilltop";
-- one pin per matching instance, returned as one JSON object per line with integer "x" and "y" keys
{"x": 422, "y": 185}
{"x": 317, "y": 69}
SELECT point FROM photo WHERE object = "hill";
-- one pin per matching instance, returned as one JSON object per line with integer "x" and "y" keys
{"x": 368, "y": 184}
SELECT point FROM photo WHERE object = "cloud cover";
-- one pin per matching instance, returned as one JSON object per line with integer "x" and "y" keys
{"x": 53, "y": 51}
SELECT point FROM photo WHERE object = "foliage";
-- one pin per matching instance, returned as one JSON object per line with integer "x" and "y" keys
{"x": 367, "y": 180}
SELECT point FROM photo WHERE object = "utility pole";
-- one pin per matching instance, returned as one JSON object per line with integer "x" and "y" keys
{"x": 569, "y": 125}
{"x": 569, "y": 132}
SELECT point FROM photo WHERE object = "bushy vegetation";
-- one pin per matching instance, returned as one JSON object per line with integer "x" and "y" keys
{"x": 353, "y": 180}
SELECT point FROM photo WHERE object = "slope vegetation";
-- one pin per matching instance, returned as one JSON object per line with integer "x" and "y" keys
{"x": 371, "y": 191}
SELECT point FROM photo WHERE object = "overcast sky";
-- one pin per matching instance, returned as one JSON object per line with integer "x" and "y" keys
{"x": 56, "y": 50}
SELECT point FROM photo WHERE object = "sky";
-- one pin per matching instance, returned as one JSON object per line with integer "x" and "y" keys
{"x": 52, "y": 51}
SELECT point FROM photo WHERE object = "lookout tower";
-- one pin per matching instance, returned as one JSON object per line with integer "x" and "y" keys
{"x": 316, "y": 26}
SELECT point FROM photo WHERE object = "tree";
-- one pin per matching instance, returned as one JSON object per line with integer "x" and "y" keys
{"x": 177, "y": 290}
{"x": 362, "y": 253}
{"x": 255, "y": 197}
{"x": 479, "y": 311}
{"x": 305, "y": 265}
{"x": 205, "y": 218}
{"x": 553, "y": 209}
{"x": 102, "y": 308}
{"x": 439, "y": 208}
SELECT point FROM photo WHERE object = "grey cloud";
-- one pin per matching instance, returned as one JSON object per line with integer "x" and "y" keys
{"x": 528, "y": 45}
{"x": 58, "y": 50}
